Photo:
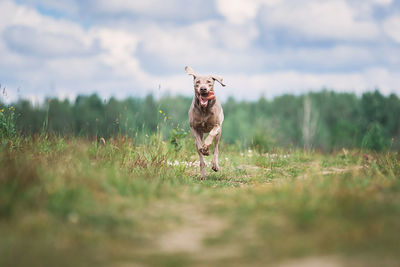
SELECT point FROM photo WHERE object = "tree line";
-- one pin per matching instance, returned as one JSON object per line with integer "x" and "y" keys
{"x": 323, "y": 120}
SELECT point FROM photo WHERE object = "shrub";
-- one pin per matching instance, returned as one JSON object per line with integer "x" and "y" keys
{"x": 262, "y": 142}
{"x": 374, "y": 139}
{"x": 177, "y": 136}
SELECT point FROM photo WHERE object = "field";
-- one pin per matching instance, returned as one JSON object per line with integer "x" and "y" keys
{"x": 127, "y": 202}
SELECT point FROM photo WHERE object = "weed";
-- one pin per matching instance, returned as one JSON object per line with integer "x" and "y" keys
{"x": 8, "y": 118}
{"x": 177, "y": 137}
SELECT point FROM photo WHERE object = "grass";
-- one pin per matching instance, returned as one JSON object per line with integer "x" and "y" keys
{"x": 76, "y": 202}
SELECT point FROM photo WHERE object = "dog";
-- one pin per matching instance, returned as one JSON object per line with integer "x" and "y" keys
{"x": 205, "y": 116}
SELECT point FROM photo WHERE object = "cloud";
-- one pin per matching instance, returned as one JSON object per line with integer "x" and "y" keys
{"x": 392, "y": 27}
{"x": 276, "y": 83}
{"x": 59, "y": 7}
{"x": 105, "y": 11}
{"x": 381, "y": 2}
{"x": 291, "y": 82}
{"x": 118, "y": 48}
{"x": 43, "y": 55}
{"x": 156, "y": 9}
{"x": 240, "y": 12}
{"x": 265, "y": 47}
{"x": 237, "y": 11}
{"x": 331, "y": 19}
{"x": 323, "y": 59}
{"x": 32, "y": 42}
{"x": 209, "y": 45}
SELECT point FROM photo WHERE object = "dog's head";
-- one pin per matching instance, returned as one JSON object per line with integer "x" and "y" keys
{"x": 203, "y": 85}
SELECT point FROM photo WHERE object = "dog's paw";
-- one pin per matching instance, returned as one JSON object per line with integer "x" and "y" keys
{"x": 215, "y": 167}
{"x": 205, "y": 150}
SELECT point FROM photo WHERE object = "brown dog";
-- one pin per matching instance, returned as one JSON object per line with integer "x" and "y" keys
{"x": 205, "y": 116}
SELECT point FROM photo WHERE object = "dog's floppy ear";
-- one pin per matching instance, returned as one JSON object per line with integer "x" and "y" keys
{"x": 218, "y": 79}
{"x": 190, "y": 71}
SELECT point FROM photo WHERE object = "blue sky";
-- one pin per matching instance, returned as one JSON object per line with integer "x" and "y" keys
{"x": 260, "y": 47}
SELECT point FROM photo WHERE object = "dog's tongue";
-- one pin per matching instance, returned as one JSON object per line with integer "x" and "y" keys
{"x": 203, "y": 101}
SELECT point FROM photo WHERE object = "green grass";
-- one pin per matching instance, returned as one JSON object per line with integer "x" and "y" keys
{"x": 74, "y": 202}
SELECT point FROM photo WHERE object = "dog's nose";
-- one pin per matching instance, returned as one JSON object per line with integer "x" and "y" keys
{"x": 203, "y": 89}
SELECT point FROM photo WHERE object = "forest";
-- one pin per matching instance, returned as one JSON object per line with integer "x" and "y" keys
{"x": 324, "y": 120}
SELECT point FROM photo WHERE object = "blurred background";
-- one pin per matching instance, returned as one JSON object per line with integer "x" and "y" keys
{"x": 314, "y": 74}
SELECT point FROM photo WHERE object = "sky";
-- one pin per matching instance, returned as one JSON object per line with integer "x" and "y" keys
{"x": 265, "y": 48}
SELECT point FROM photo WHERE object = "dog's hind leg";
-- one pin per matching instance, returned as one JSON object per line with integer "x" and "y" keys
{"x": 198, "y": 137}
{"x": 202, "y": 166}
{"x": 214, "y": 165}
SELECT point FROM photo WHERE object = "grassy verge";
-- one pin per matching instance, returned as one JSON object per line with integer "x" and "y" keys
{"x": 75, "y": 202}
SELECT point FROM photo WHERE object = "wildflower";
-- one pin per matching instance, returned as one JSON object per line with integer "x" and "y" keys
{"x": 103, "y": 141}
{"x": 2, "y": 110}
{"x": 73, "y": 217}
{"x": 160, "y": 111}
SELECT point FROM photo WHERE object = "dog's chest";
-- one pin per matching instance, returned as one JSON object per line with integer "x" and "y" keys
{"x": 205, "y": 122}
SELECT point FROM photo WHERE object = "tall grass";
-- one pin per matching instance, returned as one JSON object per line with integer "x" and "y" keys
{"x": 8, "y": 119}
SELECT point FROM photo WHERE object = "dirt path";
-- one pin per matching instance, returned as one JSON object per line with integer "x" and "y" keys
{"x": 190, "y": 234}
{"x": 196, "y": 225}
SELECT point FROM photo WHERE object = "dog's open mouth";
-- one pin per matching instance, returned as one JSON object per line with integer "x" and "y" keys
{"x": 203, "y": 98}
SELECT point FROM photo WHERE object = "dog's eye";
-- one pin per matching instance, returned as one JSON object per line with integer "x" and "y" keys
{"x": 209, "y": 81}
{"x": 197, "y": 82}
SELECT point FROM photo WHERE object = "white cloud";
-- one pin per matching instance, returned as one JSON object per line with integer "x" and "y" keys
{"x": 276, "y": 83}
{"x": 146, "y": 7}
{"x": 240, "y": 12}
{"x": 325, "y": 58}
{"x": 118, "y": 48}
{"x": 63, "y": 58}
{"x": 328, "y": 19}
{"x": 12, "y": 14}
{"x": 392, "y": 27}
{"x": 44, "y": 53}
{"x": 381, "y": 2}
{"x": 209, "y": 45}
{"x": 44, "y": 43}
{"x": 235, "y": 37}
{"x": 69, "y": 7}
{"x": 172, "y": 10}
{"x": 331, "y": 19}
{"x": 292, "y": 82}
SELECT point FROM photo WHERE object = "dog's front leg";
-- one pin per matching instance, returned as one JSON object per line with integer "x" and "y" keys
{"x": 198, "y": 137}
{"x": 207, "y": 143}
